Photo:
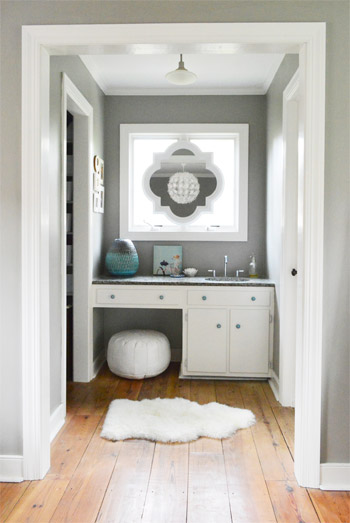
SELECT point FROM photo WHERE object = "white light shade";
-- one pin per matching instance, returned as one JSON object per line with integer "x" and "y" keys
{"x": 183, "y": 187}
{"x": 181, "y": 76}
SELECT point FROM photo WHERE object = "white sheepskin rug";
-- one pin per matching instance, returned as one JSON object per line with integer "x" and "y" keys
{"x": 172, "y": 420}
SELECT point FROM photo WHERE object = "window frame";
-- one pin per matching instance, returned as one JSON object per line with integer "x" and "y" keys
{"x": 128, "y": 133}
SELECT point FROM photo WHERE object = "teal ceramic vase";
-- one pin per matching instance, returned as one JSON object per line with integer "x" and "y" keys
{"x": 122, "y": 259}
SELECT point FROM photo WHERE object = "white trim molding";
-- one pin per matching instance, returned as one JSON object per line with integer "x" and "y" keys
{"x": 274, "y": 384}
{"x": 289, "y": 250}
{"x": 35, "y": 257}
{"x": 11, "y": 469}
{"x": 37, "y": 42}
{"x": 82, "y": 111}
{"x": 57, "y": 420}
{"x": 98, "y": 362}
{"x": 335, "y": 476}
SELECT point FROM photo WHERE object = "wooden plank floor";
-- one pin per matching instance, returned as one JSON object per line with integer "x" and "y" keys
{"x": 248, "y": 478}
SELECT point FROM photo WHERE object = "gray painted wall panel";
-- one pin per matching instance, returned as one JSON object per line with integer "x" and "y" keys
{"x": 193, "y": 109}
{"x": 335, "y": 391}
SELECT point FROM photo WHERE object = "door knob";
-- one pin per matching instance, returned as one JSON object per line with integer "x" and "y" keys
{"x": 294, "y": 272}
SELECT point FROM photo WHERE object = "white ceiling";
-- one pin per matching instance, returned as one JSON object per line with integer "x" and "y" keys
{"x": 144, "y": 74}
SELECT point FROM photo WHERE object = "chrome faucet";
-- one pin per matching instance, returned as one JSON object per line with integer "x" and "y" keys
{"x": 225, "y": 264}
{"x": 237, "y": 273}
{"x": 213, "y": 271}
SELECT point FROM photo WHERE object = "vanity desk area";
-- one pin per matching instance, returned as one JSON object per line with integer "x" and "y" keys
{"x": 227, "y": 326}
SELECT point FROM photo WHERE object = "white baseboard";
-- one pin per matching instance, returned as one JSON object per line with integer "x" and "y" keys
{"x": 335, "y": 476}
{"x": 98, "y": 362}
{"x": 274, "y": 384}
{"x": 11, "y": 469}
{"x": 57, "y": 420}
{"x": 176, "y": 355}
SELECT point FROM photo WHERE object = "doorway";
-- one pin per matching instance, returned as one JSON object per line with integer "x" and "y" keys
{"x": 275, "y": 37}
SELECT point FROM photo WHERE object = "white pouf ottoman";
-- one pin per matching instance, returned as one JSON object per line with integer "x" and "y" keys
{"x": 138, "y": 354}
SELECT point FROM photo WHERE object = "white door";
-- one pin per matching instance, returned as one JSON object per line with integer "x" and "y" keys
{"x": 289, "y": 253}
{"x": 249, "y": 341}
{"x": 207, "y": 341}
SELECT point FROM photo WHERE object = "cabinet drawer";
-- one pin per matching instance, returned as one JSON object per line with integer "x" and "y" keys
{"x": 137, "y": 297}
{"x": 249, "y": 297}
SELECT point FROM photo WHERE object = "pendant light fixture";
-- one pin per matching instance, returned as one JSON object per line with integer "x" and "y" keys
{"x": 183, "y": 187}
{"x": 181, "y": 76}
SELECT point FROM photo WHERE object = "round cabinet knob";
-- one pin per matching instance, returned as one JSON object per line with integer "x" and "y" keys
{"x": 161, "y": 297}
{"x": 112, "y": 296}
{"x": 219, "y": 325}
{"x": 253, "y": 298}
{"x": 238, "y": 326}
{"x": 204, "y": 298}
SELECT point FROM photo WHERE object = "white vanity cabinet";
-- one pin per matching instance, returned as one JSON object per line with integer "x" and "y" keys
{"x": 228, "y": 332}
{"x": 227, "y": 329}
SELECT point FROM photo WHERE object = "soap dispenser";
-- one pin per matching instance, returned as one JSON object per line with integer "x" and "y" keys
{"x": 252, "y": 267}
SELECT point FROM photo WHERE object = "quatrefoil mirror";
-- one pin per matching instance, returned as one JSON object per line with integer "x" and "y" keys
{"x": 182, "y": 181}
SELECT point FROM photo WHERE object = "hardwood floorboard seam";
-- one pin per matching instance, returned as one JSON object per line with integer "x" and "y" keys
{"x": 314, "y": 505}
{"x": 76, "y": 468}
{"x": 149, "y": 479}
{"x": 262, "y": 470}
{"x": 283, "y": 436}
{"x": 188, "y": 479}
{"x": 115, "y": 464}
{"x": 107, "y": 487}
{"x": 267, "y": 398}
{"x": 8, "y": 515}
{"x": 228, "y": 493}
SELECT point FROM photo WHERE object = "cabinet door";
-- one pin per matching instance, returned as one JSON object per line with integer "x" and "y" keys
{"x": 207, "y": 341}
{"x": 249, "y": 341}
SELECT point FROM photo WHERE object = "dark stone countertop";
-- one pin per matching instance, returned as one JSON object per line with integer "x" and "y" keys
{"x": 168, "y": 280}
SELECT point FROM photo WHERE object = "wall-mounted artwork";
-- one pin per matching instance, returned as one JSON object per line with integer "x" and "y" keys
{"x": 99, "y": 200}
{"x": 167, "y": 260}
{"x": 98, "y": 185}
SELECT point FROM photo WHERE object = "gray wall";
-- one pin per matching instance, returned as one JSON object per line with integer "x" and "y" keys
{"x": 82, "y": 79}
{"x": 335, "y": 391}
{"x": 193, "y": 109}
{"x": 274, "y": 177}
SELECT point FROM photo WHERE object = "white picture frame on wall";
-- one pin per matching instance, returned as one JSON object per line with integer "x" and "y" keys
{"x": 99, "y": 200}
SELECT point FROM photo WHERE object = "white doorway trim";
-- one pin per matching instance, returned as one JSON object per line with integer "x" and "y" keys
{"x": 76, "y": 103}
{"x": 289, "y": 249}
{"x": 37, "y": 43}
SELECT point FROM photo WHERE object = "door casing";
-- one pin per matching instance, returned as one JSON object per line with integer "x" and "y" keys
{"x": 38, "y": 42}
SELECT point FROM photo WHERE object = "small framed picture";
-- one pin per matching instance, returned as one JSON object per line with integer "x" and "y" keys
{"x": 97, "y": 161}
{"x": 167, "y": 260}
{"x": 102, "y": 171}
{"x": 97, "y": 181}
{"x": 99, "y": 200}
{"x": 102, "y": 199}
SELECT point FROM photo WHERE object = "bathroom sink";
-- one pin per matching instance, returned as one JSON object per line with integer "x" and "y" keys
{"x": 227, "y": 278}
